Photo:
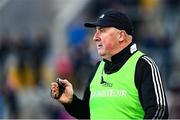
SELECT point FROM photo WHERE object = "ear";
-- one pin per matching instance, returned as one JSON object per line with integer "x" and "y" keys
{"x": 122, "y": 35}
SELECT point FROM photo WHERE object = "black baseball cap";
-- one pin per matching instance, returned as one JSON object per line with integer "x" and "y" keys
{"x": 113, "y": 18}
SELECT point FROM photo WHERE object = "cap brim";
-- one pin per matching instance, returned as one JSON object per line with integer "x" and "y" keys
{"x": 94, "y": 24}
{"x": 90, "y": 24}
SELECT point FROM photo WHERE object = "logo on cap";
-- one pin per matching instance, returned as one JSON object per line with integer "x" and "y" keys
{"x": 101, "y": 16}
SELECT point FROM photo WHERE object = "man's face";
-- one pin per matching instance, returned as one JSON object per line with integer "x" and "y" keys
{"x": 107, "y": 41}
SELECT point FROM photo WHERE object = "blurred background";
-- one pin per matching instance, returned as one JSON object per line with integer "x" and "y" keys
{"x": 41, "y": 40}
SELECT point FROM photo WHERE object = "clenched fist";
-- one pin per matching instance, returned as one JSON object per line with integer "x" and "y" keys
{"x": 64, "y": 95}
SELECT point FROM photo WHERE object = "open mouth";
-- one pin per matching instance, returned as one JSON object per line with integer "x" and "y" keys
{"x": 99, "y": 46}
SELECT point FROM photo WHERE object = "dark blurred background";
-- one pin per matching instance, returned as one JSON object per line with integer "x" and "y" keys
{"x": 41, "y": 40}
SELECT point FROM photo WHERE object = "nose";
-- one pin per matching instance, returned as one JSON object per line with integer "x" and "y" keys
{"x": 96, "y": 36}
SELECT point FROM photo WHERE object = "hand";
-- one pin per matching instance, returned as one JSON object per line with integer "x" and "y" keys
{"x": 67, "y": 94}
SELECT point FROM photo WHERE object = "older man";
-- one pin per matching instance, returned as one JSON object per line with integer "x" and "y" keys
{"x": 125, "y": 84}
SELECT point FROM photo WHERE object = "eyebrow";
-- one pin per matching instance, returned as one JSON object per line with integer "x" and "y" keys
{"x": 99, "y": 27}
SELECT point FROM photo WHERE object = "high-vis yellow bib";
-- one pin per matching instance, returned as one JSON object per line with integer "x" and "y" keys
{"x": 117, "y": 97}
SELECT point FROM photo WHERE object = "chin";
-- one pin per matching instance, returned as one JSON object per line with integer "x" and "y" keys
{"x": 102, "y": 55}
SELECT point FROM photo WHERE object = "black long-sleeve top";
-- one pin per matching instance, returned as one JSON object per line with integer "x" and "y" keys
{"x": 147, "y": 80}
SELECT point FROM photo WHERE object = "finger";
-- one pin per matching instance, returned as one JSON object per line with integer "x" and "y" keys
{"x": 54, "y": 94}
{"x": 65, "y": 82}
{"x": 54, "y": 87}
{"x": 54, "y": 84}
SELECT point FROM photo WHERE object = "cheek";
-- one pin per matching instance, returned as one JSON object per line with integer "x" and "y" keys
{"x": 108, "y": 45}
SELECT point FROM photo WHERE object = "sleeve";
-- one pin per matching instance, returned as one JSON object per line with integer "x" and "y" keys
{"x": 151, "y": 91}
{"x": 80, "y": 108}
